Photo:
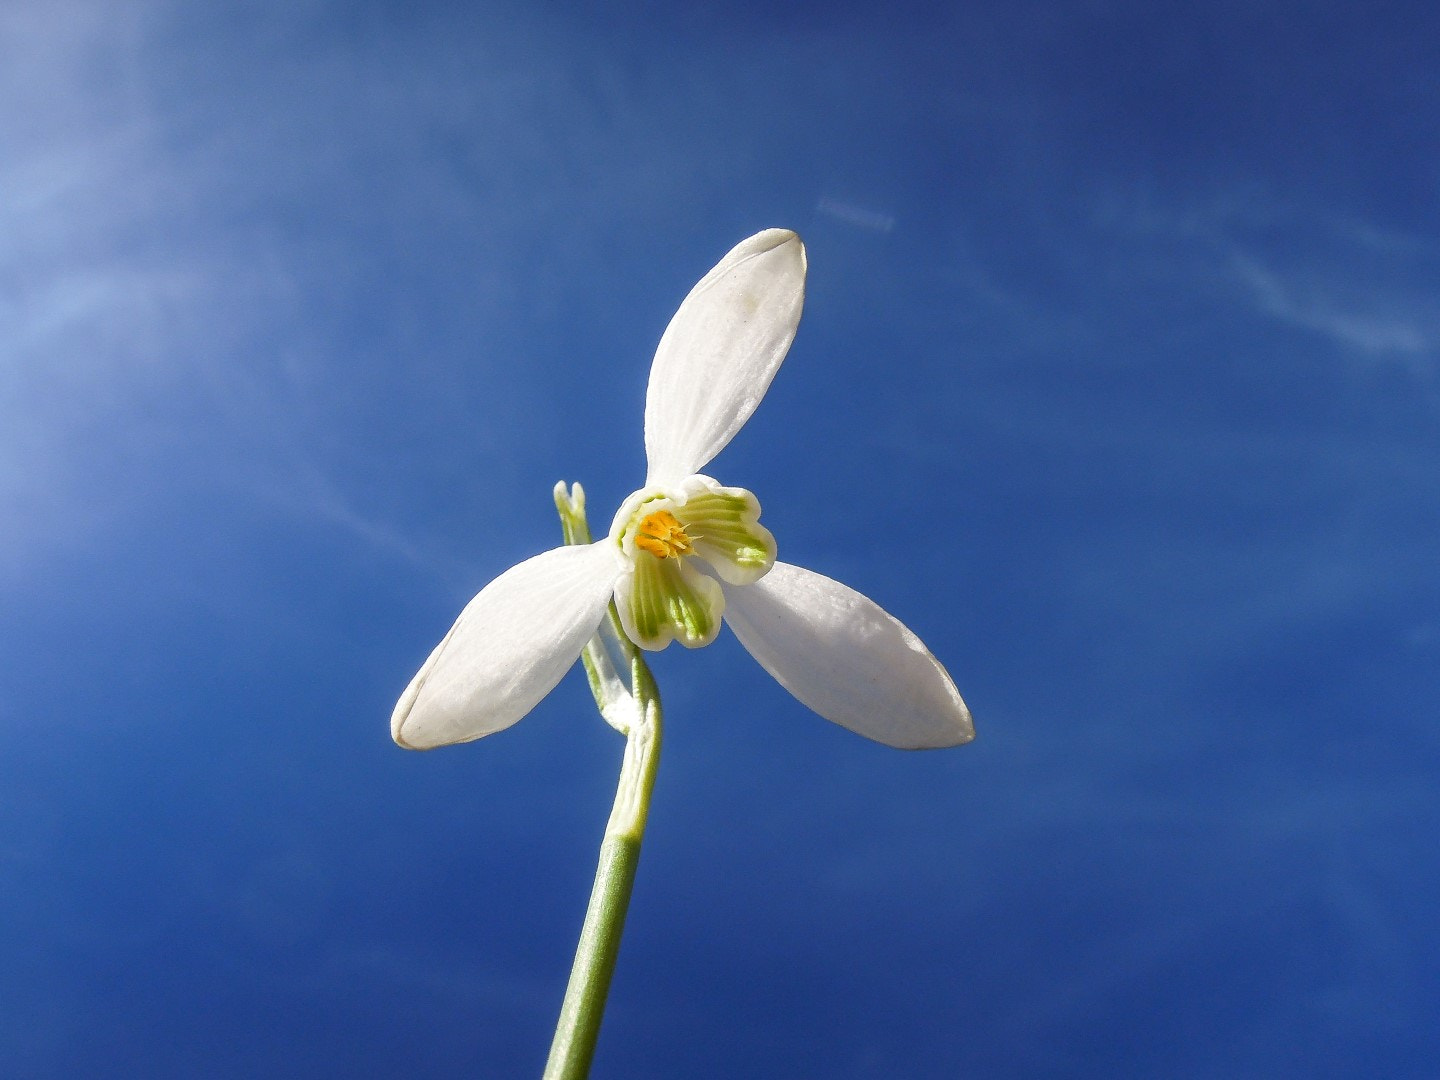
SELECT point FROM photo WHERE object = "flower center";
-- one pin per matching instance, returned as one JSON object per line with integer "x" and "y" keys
{"x": 663, "y": 536}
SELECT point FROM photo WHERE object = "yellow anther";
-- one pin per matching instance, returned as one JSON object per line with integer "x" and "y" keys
{"x": 663, "y": 536}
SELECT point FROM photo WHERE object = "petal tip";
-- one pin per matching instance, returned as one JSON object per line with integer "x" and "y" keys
{"x": 955, "y": 726}
{"x": 397, "y": 732}
{"x": 953, "y": 731}
{"x": 402, "y": 729}
{"x": 962, "y": 730}
{"x": 769, "y": 239}
{"x": 406, "y": 704}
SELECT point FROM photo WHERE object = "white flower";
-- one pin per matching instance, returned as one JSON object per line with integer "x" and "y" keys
{"x": 684, "y": 551}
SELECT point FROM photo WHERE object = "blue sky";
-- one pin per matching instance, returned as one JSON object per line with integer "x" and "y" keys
{"x": 1118, "y": 381}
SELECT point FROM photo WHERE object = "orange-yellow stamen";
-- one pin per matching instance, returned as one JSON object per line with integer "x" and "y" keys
{"x": 663, "y": 536}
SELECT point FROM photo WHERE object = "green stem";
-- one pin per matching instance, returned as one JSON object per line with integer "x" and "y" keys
{"x": 636, "y": 713}
{"x": 599, "y": 947}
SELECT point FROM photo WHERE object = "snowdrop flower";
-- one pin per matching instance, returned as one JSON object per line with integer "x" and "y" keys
{"x": 685, "y": 551}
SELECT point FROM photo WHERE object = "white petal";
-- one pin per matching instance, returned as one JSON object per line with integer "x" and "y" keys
{"x": 509, "y": 648}
{"x": 724, "y": 523}
{"x": 665, "y": 600}
{"x": 842, "y": 655}
{"x": 720, "y": 352}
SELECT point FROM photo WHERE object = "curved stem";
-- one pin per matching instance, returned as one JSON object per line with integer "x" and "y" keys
{"x": 635, "y": 711}
{"x": 599, "y": 947}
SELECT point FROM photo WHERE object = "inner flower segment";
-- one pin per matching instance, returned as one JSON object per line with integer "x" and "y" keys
{"x": 665, "y": 596}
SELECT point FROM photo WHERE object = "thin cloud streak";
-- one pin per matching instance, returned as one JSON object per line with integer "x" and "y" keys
{"x": 1376, "y": 333}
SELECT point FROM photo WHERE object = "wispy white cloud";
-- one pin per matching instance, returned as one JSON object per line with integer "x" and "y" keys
{"x": 859, "y": 216}
{"x": 1354, "y": 315}
{"x": 159, "y": 311}
{"x": 202, "y": 232}
{"x": 312, "y": 495}
{"x": 1365, "y": 288}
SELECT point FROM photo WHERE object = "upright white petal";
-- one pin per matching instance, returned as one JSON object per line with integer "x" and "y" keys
{"x": 848, "y": 659}
{"x": 509, "y": 648}
{"x": 720, "y": 352}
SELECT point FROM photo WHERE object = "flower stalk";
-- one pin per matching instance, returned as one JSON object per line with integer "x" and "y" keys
{"x": 683, "y": 553}
{"x": 635, "y": 712}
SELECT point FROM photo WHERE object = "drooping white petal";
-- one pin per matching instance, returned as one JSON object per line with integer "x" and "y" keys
{"x": 845, "y": 657}
{"x": 720, "y": 351}
{"x": 509, "y": 648}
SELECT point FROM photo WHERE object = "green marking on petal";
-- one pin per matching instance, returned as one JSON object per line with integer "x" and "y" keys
{"x": 664, "y": 601}
{"x": 661, "y": 532}
{"x": 724, "y": 524}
